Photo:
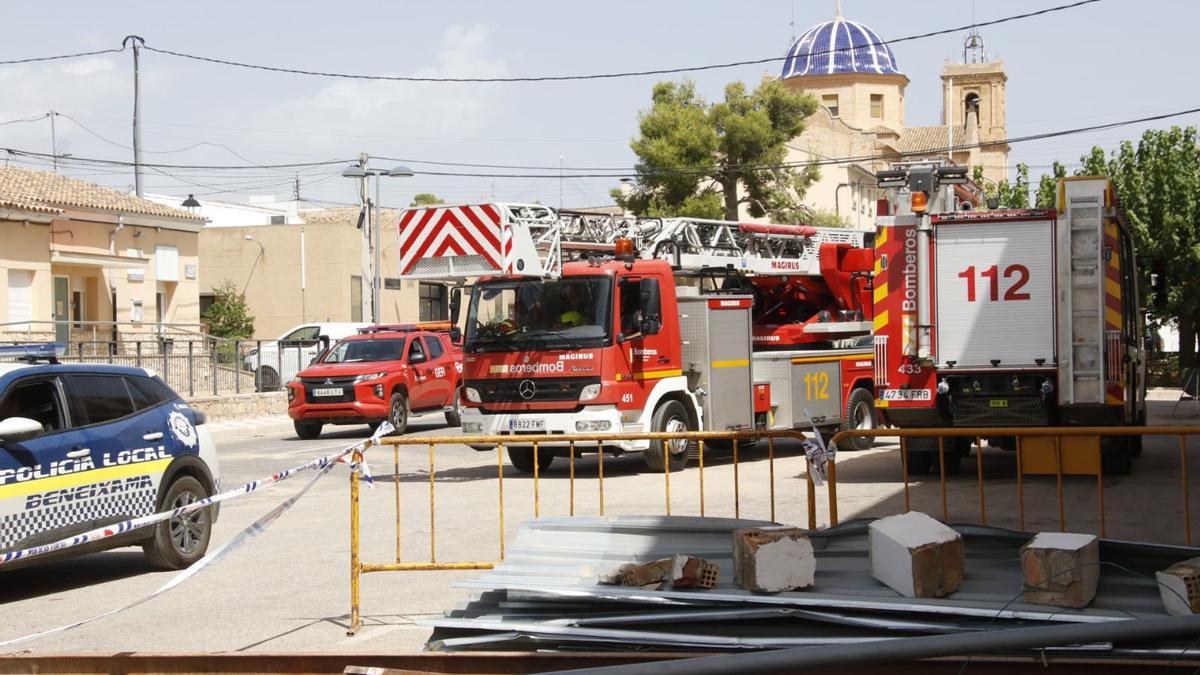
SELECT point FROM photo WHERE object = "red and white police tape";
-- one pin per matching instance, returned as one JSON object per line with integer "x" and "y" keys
{"x": 322, "y": 464}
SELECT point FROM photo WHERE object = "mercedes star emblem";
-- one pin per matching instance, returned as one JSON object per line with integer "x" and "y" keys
{"x": 527, "y": 389}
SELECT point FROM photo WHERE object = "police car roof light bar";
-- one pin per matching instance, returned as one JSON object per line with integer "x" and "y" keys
{"x": 32, "y": 353}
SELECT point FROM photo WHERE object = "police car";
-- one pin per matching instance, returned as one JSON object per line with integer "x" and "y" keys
{"x": 87, "y": 445}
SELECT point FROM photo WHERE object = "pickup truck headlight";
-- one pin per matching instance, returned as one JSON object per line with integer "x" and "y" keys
{"x": 291, "y": 393}
{"x": 589, "y": 392}
{"x": 472, "y": 394}
{"x": 370, "y": 376}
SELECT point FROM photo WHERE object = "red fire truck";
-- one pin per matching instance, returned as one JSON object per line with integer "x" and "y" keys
{"x": 1007, "y": 318}
{"x": 582, "y": 324}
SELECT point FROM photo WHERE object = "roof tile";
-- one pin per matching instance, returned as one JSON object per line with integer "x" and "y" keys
{"x": 43, "y": 190}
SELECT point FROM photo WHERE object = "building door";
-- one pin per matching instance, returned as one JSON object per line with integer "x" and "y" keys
{"x": 62, "y": 309}
{"x": 20, "y": 298}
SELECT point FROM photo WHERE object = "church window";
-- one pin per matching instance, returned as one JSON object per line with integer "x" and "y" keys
{"x": 971, "y": 105}
{"x": 877, "y": 106}
{"x": 830, "y": 101}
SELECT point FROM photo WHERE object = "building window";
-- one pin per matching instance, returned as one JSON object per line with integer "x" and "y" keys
{"x": 391, "y": 283}
{"x": 279, "y": 220}
{"x": 356, "y": 296}
{"x": 877, "y": 106}
{"x": 136, "y": 312}
{"x": 206, "y": 301}
{"x": 433, "y": 306}
{"x": 830, "y": 101}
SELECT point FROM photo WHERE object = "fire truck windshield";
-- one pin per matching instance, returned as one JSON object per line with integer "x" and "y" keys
{"x": 567, "y": 313}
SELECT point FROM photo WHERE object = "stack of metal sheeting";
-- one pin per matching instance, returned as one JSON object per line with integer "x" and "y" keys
{"x": 545, "y": 594}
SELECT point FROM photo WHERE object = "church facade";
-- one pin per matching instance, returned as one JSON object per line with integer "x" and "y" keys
{"x": 859, "y": 127}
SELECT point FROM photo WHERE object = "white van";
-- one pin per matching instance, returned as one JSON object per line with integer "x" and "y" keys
{"x": 279, "y": 360}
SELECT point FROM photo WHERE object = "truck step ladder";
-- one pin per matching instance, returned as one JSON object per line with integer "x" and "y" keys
{"x": 1083, "y": 368}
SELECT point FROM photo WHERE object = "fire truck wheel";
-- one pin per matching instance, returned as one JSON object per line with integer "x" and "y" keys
{"x": 670, "y": 417}
{"x": 859, "y": 414}
{"x": 454, "y": 415}
{"x": 522, "y": 458}
{"x": 398, "y": 413}
{"x": 308, "y": 430}
{"x": 921, "y": 456}
{"x": 1116, "y": 455}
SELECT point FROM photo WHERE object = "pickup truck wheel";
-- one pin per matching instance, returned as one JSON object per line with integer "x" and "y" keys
{"x": 859, "y": 414}
{"x": 670, "y": 417}
{"x": 180, "y": 541}
{"x": 454, "y": 414}
{"x": 398, "y": 413}
{"x": 522, "y": 458}
{"x": 268, "y": 379}
{"x": 308, "y": 430}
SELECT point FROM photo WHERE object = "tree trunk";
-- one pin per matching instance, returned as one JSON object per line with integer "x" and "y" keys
{"x": 1187, "y": 340}
{"x": 729, "y": 188}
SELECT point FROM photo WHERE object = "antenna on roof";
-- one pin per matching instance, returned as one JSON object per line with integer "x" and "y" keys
{"x": 839, "y": 10}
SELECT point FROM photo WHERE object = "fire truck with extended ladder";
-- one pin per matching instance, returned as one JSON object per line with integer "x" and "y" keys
{"x": 1021, "y": 317}
{"x": 587, "y": 324}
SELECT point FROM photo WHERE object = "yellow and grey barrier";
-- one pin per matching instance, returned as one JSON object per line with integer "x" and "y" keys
{"x": 573, "y": 442}
{"x": 1054, "y": 466}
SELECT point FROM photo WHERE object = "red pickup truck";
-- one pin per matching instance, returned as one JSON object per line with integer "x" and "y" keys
{"x": 383, "y": 373}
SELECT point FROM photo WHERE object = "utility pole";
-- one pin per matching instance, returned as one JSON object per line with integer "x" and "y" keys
{"x": 53, "y": 142}
{"x": 138, "y": 43}
{"x": 368, "y": 270}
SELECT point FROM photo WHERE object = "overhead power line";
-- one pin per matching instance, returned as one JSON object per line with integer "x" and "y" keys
{"x": 604, "y": 76}
{"x": 555, "y": 78}
{"x": 35, "y": 118}
{"x": 625, "y": 172}
{"x": 59, "y": 57}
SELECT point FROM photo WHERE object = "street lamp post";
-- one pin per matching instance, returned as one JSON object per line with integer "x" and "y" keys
{"x": 361, "y": 172}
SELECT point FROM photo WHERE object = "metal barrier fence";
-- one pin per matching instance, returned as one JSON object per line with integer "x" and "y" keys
{"x": 1022, "y": 434}
{"x": 573, "y": 450}
{"x": 574, "y": 442}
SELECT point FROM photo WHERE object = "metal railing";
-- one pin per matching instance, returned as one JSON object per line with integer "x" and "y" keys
{"x": 1022, "y": 434}
{"x": 576, "y": 444}
{"x": 664, "y": 503}
{"x": 194, "y": 365}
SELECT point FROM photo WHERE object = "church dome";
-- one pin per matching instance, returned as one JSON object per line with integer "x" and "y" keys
{"x": 839, "y": 46}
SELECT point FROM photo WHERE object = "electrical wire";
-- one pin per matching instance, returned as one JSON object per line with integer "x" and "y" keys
{"x": 26, "y": 119}
{"x": 622, "y": 173}
{"x": 605, "y": 76}
{"x": 76, "y": 55}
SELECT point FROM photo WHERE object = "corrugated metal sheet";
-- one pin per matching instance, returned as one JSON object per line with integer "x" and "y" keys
{"x": 546, "y": 591}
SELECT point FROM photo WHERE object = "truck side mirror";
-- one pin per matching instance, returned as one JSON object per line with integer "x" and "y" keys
{"x": 455, "y": 305}
{"x": 650, "y": 306}
{"x": 323, "y": 341}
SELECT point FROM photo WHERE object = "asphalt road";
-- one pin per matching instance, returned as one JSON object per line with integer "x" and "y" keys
{"x": 288, "y": 589}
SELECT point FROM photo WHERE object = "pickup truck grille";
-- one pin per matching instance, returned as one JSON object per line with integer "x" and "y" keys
{"x": 509, "y": 390}
{"x": 345, "y": 382}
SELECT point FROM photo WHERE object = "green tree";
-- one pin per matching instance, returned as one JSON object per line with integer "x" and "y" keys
{"x": 1047, "y": 190}
{"x": 229, "y": 317}
{"x": 425, "y": 199}
{"x": 1158, "y": 185}
{"x": 1007, "y": 195}
{"x": 706, "y": 160}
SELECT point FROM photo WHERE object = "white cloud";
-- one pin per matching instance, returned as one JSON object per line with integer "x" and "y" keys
{"x": 414, "y": 109}
{"x": 88, "y": 66}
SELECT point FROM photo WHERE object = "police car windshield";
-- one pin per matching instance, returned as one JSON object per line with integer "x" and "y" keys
{"x": 567, "y": 313}
{"x": 364, "y": 351}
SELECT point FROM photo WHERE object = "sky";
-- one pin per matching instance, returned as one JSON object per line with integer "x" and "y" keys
{"x": 1105, "y": 62}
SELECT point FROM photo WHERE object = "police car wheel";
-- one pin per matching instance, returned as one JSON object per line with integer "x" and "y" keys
{"x": 178, "y": 542}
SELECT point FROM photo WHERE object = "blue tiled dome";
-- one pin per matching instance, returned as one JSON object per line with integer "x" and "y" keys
{"x": 839, "y": 46}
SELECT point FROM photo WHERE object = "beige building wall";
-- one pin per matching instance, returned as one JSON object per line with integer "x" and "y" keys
{"x": 96, "y": 238}
{"x": 854, "y": 92}
{"x": 271, "y": 276}
{"x": 986, "y": 81}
